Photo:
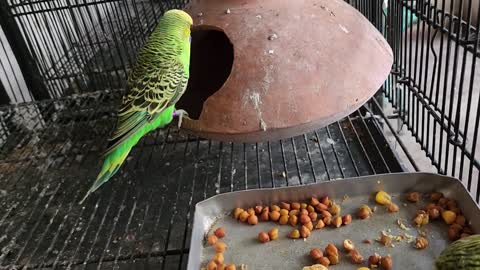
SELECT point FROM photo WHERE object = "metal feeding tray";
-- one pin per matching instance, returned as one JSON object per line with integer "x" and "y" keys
{"x": 285, "y": 253}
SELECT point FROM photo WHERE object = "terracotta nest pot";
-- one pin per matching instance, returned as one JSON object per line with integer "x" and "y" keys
{"x": 270, "y": 69}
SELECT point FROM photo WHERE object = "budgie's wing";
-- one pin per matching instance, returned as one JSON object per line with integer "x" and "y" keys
{"x": 149, "y": 95}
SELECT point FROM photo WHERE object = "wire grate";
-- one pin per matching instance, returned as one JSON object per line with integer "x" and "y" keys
{"x": 143, "y": 216}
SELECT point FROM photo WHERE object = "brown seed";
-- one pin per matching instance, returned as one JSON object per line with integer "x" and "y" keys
{"x": 231, "y": 267}
{"x": 433, "y": 213}
{"x": 212, "y": 266}
{"x": 347, "y": 219}
{"x": 283, "y": 220}
{"x": 295, "y": 205}
{"x": 316, "y": 253}
{"x": 314, "y": 201}
{"x": 357, "y": 258}
{"x": 331, "y": 249}
{"x": 293, "y": 220}
{"x": 337, "y": 222}
{"x": 263, "y": 237}
{"x": 275, "y": 208}
{"x": 303, "y": 206}
{"x": 313, "y": 216}
{"x": 327, "y": 220}
{"x": 236, "y": 212}
{"x": 304, "y": 232}
{"x": 283, "y": 212}
{"x": 244, "y": 216}
{"x": 220, "y": 232}
{"x": 363, "y": 213}
{"x": 442, "y": 202}
{"x": 218, "y": 258}
{"x": 386, "y": 262}
{"x": 320, "y": 224}
{"x": 220, "y": 247}
{"x": 309, "y": 225}
{"x": 451, "y": 204}
{"x": 348, "y": 245}
{"x": 374, "y": 260}
{"x": 294, "y": 212}
{"x": 421, "y": 242}
{"x": 221, "y": 267}
{"x": 324, "y": 261}
{"x": 273, "y": 234}
{"x": 251, "y": 211}
{"x": 303, "y": 212}
{"x": 334, "y": 259}
{"x": 392, "y": 208}
{"x": 321, "y": 207}
{"x": 335, "y": 209}
{"x": 385, "y": 239}
{"x": 295, "y": 234}
{"x": 304, "y": 219}
{"x": 325, "y": 213}
{"x": 453, "y": 234}
{"x": 265, "y": 215}
{"x": 310, "y": 209}
{"x": 435, "y": 196}
{"x": 460, "y": 220}
{"x": 367, "y": 241}
{"x": 258, "y": 209}
{"x": 421, "y": 218}
{"x": 325, "y": 200}
{"x": 413, "y": 197}
{"x": 252, "y": 220}
{"x": 285, "y": 206}
{"x": 212, "y": 239}
{"x": 274, "y": 215}
{"x": 456, "y": 227}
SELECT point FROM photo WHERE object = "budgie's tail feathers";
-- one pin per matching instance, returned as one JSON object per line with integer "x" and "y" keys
{"x": 111, "y": 165}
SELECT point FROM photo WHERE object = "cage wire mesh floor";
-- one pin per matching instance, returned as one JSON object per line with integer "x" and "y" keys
{"x": 142, "y": 218}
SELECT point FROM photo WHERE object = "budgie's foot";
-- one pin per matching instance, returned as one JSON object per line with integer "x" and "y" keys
{"x": 181, "y": 114}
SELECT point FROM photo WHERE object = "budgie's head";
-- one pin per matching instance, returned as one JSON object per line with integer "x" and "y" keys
{"x": 179, "y": 15}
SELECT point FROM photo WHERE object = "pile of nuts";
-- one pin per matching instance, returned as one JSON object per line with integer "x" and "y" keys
{"x": 440, "y": 207}
{"x": 217, "y": 261}
{"x": 330, "y": 256}
{"x": 302, "y": 216}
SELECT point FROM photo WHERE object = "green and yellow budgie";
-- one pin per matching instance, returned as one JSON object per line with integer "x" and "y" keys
{"x": 157, "y": 81}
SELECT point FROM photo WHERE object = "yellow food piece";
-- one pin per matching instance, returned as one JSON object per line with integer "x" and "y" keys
{"x": 383, "y": 198}
{"x": 363, "y": 268}
{"x": 315, "y": 267}
{"x": 449, "y": 216}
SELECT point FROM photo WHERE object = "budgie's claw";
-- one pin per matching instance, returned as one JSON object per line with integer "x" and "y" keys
{"x": 181, "y": 114}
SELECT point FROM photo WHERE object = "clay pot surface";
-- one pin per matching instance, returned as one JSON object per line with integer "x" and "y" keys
{"x": 298, "y": 66}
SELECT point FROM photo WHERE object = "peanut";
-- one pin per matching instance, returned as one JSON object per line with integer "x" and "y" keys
{"x": 337, "y": 222}
{"x": 324, "y": 261}
{"x": 304, "y": 219}
{"x": 316, "y": 253}
{"x": 304, "y": 232}
{"x": 310, "y": 209}
{"x": 392, "y": 208}
{"x": 231, "y": 267}
{"x": 374, "y": 260}
{"x": 327, "y": 220}
{"x": 435, "y": 196}
{"x": 293, "y": 220}
{"x": 347, "y": 219}
{"x": 309, "y": 225}
{"x": 303, "y": 206}
{"x": 258, "y": 209}
{"x": 295, "y": 205}
{"x": 218, "y": 258}
{"x": 274, "y": 215}
{"x": 212, "y": 239}
{"x": 320, "y": 224}
{"x": 364, "y": 212}
{"x": 335, "y": 209}
{"x": 295, "y": 234}
{"x": 421, "y": 242}
{"x": 244, "y": 216}
{"x": 348, "y": 245}
{"x": 251, "y": 211}
{"x": 331, "y": 249}
{"x": 284, "y": 212}
{"x": 275, "y": 208}
{"x": 263, "y": 237}
{"x": 357, "y": 258}
{"x": 265, "y": 215}
{"x": 314, "y": 201}
{"x": 236, "y": 212}
{"x": 313, "y": 216}
{"x": 212, "y": 266}
{"x": 283, "y": 220}
{"x": 285, "y": 206}
{"x": 252, "y": 220}
{"x": 326, "y": 201}
{"x": 321, "y": 207}
{"x": 386, "y": 262}
{"x": 273, "y": 234}
{"x": 334, "y": 259}
{"x": 220, "y": 247}
{"x": 413, "y": 197}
